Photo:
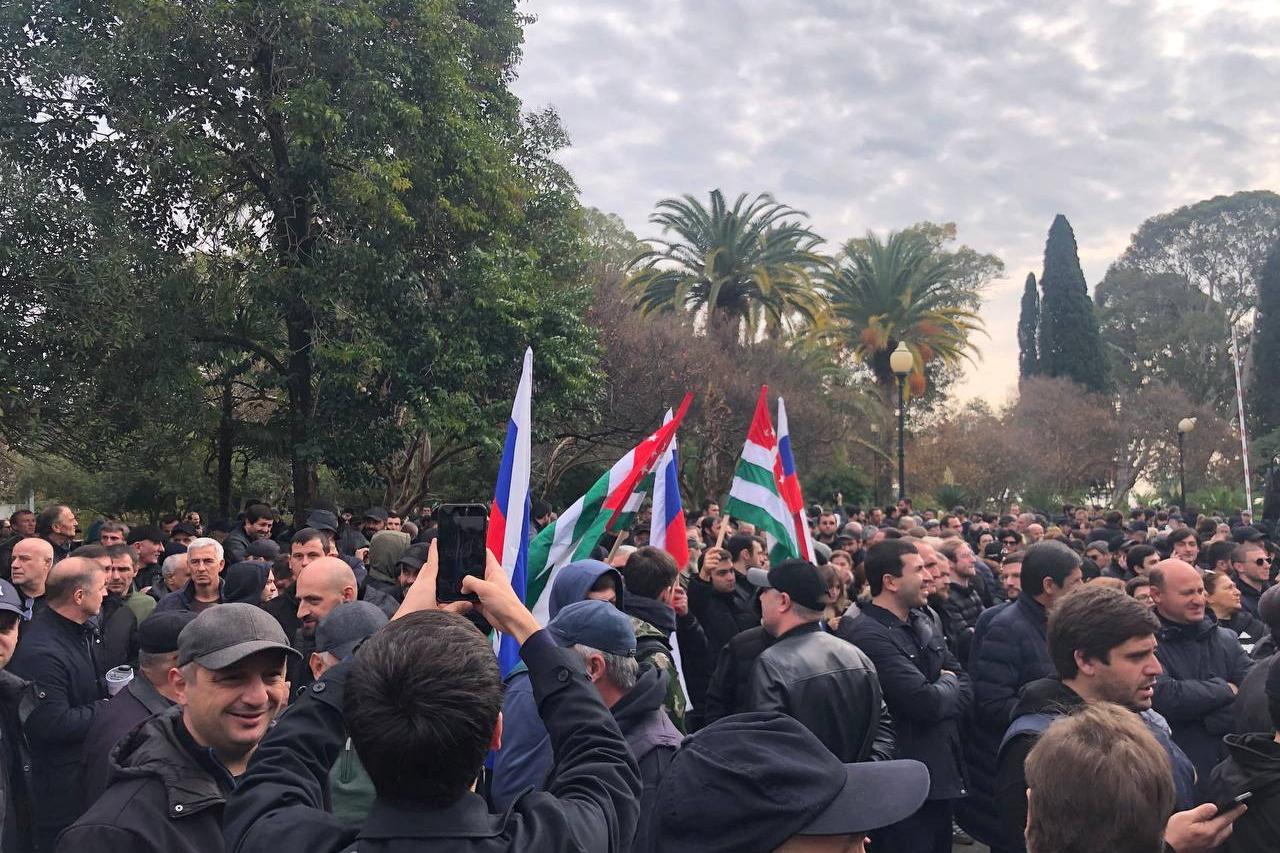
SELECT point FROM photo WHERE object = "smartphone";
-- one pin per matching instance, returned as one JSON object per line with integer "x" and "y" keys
{"x": 1231, "y": 802}
{"x": 460, "y": 546}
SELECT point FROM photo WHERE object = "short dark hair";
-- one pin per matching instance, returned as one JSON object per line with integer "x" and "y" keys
{"x": 421, "y": 704}
{"x": 308, "y": 534}
{"x": 1051, "y": 560}
{"x": 13, "y": 519}
{"x": 1137, "y": 555}
{"x": 1132, "y": 586}
{"x": 648, "y": 571}
{"x": 47, "y": 518}
{"x": 738, "y": 543}
{"x": 1182, "y": 533}
{"x": 114, "y": 551}
{"x": 1240, "y": 553}
{"x": 1094, "y": 620}
{"x": 1217, "y": 551}
{"x": 256, "y": 512}
{"x": 885, "y": 558}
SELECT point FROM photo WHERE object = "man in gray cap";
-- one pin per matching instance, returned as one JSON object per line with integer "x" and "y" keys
{"x": 170, "y": 776}
{"x": 351, "y": 792}
{"x": 17, "y": 698}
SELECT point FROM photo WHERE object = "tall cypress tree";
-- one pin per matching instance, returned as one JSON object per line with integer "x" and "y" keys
{"x": 1069, "y": 343}
{"x": 1028, "y": 327}
{"x": 1264, "y": 395}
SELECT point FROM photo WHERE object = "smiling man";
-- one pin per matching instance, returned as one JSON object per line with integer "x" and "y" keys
{"x": 1103, "y": 647}
{"x": 1204, "y": 664}
{"x": 171, "y": 776}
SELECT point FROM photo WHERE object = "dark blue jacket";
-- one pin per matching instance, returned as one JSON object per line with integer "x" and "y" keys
{"x": 590, "y": 804}
{"x": 926, "y": 704}
{"x": 59, "y": 656}
{"x": 181, "y": 599}
{"x": 1193, "y": 694}
{"x": 1010, "y": 653}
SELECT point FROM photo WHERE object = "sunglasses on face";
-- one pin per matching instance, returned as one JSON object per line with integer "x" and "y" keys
{"x": 1262, "y": 561}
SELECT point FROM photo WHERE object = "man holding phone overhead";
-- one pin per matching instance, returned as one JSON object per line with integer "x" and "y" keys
{"x": 421, "y": 699}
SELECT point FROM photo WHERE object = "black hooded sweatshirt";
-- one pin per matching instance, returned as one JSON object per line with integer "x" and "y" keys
{"x": 1252, "y": 764}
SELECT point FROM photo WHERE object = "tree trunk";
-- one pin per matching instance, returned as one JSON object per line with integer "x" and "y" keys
{"x": 226, "y": 446}
{"x": 298, "y": 320}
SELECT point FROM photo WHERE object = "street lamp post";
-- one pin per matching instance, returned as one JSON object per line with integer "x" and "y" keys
{"x": 900, "y": 362}
{"x": 1185, "y": 426}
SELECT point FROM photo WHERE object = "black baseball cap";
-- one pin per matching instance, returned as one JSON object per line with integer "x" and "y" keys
{"x": 228, "y": 633}
{"x": 146, "y": 533}
{"x": 774, "y": 779}
{"x": 1247, "y": 533}
{"x": 798, "y": 579}
{"x": 347, "y": 626}
{"x": 414, "y": 556}
{"x": 158, "y": 634}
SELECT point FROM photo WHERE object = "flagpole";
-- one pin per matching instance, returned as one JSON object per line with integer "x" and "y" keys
{"x": 1244, "y": 436}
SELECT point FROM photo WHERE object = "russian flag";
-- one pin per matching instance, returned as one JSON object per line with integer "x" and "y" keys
{"x": 667, "y": 530}
{"x": 508, "y": 536}
{"x": 789, "y": 486}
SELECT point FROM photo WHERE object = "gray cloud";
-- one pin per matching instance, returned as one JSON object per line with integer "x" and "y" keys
{"x": 875, "y": 114}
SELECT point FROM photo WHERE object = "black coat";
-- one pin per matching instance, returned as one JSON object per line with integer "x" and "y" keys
{"x": 1250, "y": 597}
{"x": 18, "y": 699}
{"x": 730, "y": 688}
{"x": 122, "y": 714}
{"x": 165, "y": 796}
{"x": 1193, "y": 692}
{"x": 927, "y": 706}
{"x": 119, "y": 629}
{"x": 1252, "y": 764}
{"x": 1251, "y": 710}
{"x": 721, "y": 614}
{"x": 59, "y": 656}
{"x": 590, "y": 804}
{"x": 235, "y": 546}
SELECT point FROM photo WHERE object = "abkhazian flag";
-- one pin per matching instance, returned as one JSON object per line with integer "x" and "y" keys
{"x": 789, "y": 486}
{"x": 667, "y": 530}
{"x": 755, "y": 496}
{"x": 508, "y": 536}
{"x": 608, "y": 506}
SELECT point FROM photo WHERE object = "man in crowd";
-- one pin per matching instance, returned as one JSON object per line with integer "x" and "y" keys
{"x": 828, "y": 523}
{"x": 148, "y": 543}
{"x": 173, "y": 574}
{"x": 373, "y": 521}
{"x": 307, "y": 545}
{"x": 171, "y": 776}
{"x": 56, "y": 525}
{"x": 1203, "y": 665}
{"x": 18, "y": 699}
{"x": 783, "y": 791}
{"x": 31, "y": 563}
{"x": 1013, "y": 652}
{"x": 1252, "y": 710}
{"x": 148, "y": 693}
{"x": 745, "y": 552}
{"x": 1098, "y": 554}
{"x": 421, "y": 701}
{"x": 1103, "y": 644}
{"x": 963, "y": 602}
{"x": 123, "y": 569}
{"x": 256, "y": 525}
{"x": 117, "y": 624}
{"x": 1253, "y": 765}
{"x": 1185, "y": 546}
{"x": 205, "y": 563}
{"x": 925, "y": 688}
{"x": 1251, "y": 568}
{"x": 605, "y": 640}
{"x": 113, "y": 533}
{"x": 715, "y": 601}
{"x": 807, "y": 673}
{"x": 320, "y": 586}
{"x": 58, "y": 654}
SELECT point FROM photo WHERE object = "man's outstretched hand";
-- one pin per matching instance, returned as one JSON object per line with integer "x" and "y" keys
{"x": 499, "y": 604}
{"x": 421, "y": 594}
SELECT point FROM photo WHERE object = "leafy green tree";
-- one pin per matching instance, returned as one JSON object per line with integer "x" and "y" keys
{"x": 1028, "y": 329}
{"x": 1069, "y": 342}
{"x": 1265, "y": 399}
{"x": 882, "y": 292}
{"x": 750, "y": 267}
{"x": 340, "y": 201}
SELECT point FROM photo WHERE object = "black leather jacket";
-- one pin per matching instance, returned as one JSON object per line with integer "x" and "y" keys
{"x": 18, "y": 698}
{"x": 831, "y": 687}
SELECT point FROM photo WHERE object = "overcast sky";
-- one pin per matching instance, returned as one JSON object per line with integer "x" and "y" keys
{"x": 874, "y": 114}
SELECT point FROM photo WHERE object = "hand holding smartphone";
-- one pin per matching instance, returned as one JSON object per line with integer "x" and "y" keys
{"x": 463, "y": 531}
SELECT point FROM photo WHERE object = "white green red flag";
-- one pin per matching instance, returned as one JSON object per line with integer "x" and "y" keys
{"x": 756, "y": 494}
{"x": 608, "y": 506}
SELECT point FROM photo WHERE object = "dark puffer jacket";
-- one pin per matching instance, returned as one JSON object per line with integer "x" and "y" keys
{"x": 1252, "y": 764}
{"x": 165, "y": 796}
{"x": 1200, "y": 663}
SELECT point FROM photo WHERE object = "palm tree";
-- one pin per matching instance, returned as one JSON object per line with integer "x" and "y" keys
{"x": 748, "y": 266}
{"x": 901, "y": 289}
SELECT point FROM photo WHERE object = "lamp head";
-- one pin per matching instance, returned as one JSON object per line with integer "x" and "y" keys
{"x": 1186, "y": 425}
{"x": 901, "y": 361}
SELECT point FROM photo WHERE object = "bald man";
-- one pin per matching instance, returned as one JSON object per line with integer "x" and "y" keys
{"x": 30, "y": 565}
{"x": 1203, "y": 665}
{"x": 320, "y": 586}
{"x": 57, "y": 653}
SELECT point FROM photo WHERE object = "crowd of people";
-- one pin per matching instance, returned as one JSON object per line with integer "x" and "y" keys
{"x": 1049, "y": 682}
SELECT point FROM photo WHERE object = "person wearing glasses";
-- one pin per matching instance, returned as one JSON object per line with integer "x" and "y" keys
{"x": 1251, "y": 565}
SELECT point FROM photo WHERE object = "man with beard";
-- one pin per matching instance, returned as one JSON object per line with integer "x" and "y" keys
{"x": 1103, "y": 647}
{"x": 258, "y": 519}
{"x": 319, "y": 587}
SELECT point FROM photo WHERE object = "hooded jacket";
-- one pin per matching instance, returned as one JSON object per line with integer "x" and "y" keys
{"x": 385, "y": 549}
{"x": 1193, "y": 693}
{"x": 18, "y": 699}
{"x": 525, "y": 757}
{"x": 1251, "y": 708}
{"x": 244, "y": 582}
{"x": 1040, "y": 703}
{"x": 165, "y": 795}
{"x": 651, "y": 736}
{"x": 1252, "y": 764}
